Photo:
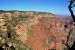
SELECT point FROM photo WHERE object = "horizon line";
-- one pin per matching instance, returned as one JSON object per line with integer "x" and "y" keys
{"x": 37, "y": 11}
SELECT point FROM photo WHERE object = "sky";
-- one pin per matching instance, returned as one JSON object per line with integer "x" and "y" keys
{"x": 59, "y": 7}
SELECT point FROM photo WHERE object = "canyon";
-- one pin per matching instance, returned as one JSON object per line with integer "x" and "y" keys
{"x": 39, "y": 30}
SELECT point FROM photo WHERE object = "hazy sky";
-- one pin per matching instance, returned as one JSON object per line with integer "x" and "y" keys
{"x": 53, "y": 6}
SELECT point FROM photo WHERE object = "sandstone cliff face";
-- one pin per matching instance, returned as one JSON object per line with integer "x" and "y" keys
{"x": 40, "y": 31}
{"x": 48, "y": 34}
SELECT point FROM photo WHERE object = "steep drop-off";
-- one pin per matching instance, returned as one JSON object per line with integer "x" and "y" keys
{"x": 38, "y": 30}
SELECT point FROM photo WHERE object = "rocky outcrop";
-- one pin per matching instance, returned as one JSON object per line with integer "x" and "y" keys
{"x": 48, "y": 34}
{"x": 40, "y": 30}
